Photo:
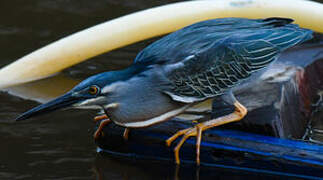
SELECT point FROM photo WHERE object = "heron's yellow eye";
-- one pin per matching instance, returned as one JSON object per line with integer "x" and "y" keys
{"x": 93, "y": 90}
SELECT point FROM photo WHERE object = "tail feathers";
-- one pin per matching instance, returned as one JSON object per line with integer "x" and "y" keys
{"x": 277, "y": 21}
{"x": 287, "y": 34}
{"x": 299, "y": 36}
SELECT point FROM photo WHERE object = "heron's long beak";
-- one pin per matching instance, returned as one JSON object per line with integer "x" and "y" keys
{"x": 58, "y": 103}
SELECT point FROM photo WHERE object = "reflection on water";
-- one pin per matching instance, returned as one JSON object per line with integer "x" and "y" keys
{"x": 123, "y": 169}
{"x": 44, "y": 90}
{"x": 60, "y": 145}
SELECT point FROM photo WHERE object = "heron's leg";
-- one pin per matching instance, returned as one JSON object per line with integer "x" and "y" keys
{"x": 99, "y": 130}
{"x": 238, "y": 114}
{"x": 100, "y": 117}
{"x": 126, "y": 133}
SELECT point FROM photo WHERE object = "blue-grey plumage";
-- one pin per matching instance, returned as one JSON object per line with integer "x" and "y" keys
{"x": 208, "y": 58}
{"x": 198, "y": 62}
{"x": 205, "y": 60}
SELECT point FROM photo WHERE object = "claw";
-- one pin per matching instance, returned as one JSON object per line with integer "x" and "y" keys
{"x": 99, "y": 130}
{"x": 126, "y": 134}
{"x": 198, "y": 143}
{"x": 189, "y": 133}
{"x": 175, "y": 136}
{"x": 197, "y": 130}
{"x": 99, "y": 118}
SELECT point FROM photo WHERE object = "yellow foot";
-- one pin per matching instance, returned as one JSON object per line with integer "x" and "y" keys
{"x": 98, "y": 132}
{"x": 126, "y": 134}
{"x": 99, "y": 118}
{"x": 237, "y": 115}
{"x": 194, "y": 131}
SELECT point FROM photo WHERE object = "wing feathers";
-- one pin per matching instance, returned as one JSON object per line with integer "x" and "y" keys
{"x": 209, "y": 58}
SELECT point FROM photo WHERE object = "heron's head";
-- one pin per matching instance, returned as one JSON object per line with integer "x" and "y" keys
{"x": 88, "y": 94}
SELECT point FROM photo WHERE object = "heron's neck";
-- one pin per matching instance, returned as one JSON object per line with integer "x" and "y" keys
{"x": 129, "y": 72}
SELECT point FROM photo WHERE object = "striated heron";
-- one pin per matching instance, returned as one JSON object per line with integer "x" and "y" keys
{"x": 205, "y": 60}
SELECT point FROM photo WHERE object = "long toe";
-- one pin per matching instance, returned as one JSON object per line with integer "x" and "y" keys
{"x": 100, "y": 117}
{"x": 98, "y": 132}
{"x": 176, "y": 135}
{"x": 190, "y": 132}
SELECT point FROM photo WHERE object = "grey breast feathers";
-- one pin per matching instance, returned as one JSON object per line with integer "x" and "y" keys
{"x": 208, "y": 58}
